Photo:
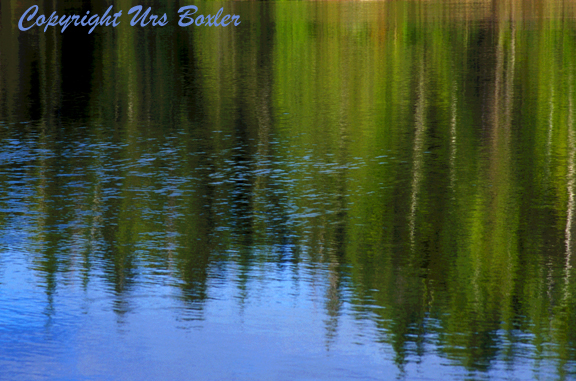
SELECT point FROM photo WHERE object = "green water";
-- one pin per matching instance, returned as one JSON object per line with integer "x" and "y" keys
{"x": 369, "y": 191}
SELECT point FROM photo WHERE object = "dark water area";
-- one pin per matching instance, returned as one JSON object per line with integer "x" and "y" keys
{"x": 328, "y": 191}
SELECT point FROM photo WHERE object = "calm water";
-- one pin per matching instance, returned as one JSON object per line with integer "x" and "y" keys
{"x": 329, "y": 191}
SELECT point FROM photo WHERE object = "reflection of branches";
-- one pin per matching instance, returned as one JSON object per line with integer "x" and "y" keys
{"x": 453, "y": 137}
{"x": 570, "y": 186}
{"x": 565, "y": 314}
{"x": 550, "y": 124}
{"x": 333, "y": 295}
{"x": 417, "y": 153}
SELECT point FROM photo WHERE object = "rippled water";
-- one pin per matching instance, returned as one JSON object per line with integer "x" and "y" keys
{"x": 329, "y": 191}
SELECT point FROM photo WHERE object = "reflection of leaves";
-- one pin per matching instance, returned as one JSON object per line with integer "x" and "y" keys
{"x": 307, "y": 140}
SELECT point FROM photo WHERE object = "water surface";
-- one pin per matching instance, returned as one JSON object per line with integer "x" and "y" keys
{"x": 329, "y": 191}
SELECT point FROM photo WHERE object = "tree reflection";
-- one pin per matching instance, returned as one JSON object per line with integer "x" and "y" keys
{"x": 415, "y": 161}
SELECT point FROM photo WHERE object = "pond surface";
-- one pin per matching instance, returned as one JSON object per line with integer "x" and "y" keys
{"x": 328, "y": 191}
